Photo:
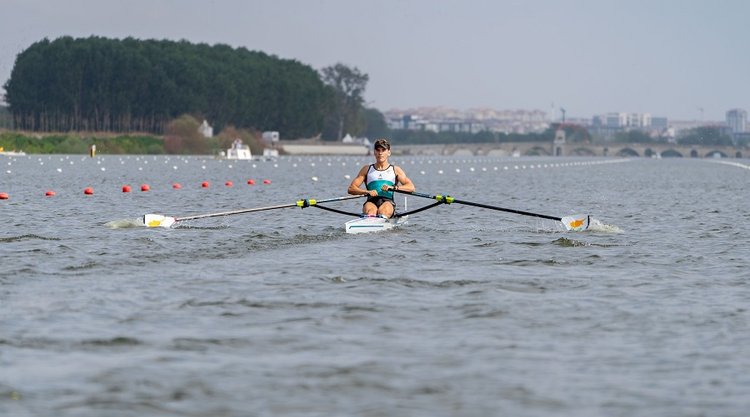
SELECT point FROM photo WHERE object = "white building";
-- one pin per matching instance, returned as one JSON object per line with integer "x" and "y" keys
{"x": 206, "y": 130}
{"x": 737, "y": 120}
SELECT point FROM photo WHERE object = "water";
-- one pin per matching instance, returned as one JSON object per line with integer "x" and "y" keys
{"x": 463, "y": 312}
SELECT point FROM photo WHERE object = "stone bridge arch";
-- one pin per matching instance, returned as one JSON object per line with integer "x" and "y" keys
{"x": 671, "y": 153}
{"x": 538, "y": 151}
{"x": 582, "y": 151}
{"x": 715, "y": 153}
{"x": 627, "y": 152}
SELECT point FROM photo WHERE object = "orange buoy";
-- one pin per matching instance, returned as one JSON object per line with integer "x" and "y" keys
{"x": 251, "y": 182}
{"x": 145, "y": 187}
{"x": 50, "y": 193}
{"x": 126, "y": 188}
{"x": 176, "y": 186}
{"x": 266, "y": 181}
{"x": 4, "y": 196}
{"x": 228, "y": 183}
{"x": 204, "y": 184}
{"x": 88, "y": 191}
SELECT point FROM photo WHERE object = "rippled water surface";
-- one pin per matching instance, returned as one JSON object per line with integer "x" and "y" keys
{"x": 462, "y": 312}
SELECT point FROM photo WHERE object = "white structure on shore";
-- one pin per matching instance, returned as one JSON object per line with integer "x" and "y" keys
{"x": 206, "y": 130}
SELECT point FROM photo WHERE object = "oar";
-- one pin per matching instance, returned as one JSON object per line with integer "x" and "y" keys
{"x": 158, "y": 220}
{"x": 576, "y": 223}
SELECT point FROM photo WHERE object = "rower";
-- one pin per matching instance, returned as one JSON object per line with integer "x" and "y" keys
{"x": 377, "y": 178}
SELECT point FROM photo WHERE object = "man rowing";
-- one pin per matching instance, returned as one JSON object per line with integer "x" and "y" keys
{"x": 378, "y": 179}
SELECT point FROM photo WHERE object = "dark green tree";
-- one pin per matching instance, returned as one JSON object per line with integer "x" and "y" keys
{"x": 348, "y": 85}
{"x": 705, "y": 135}
{"x": 100, "y": 84}
{"x": 633, "y": 136}
{"x": 375, "y": 124}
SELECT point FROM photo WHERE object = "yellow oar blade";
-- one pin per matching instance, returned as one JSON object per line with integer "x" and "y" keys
{"x": 576, "y": 223}
{"x": 158, "y": 220}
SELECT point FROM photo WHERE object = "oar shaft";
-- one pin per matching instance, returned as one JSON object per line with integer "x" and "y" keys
{"x": 525, "y": 213}
{"x": 229, "y": 213}
{"x": 449, "y": 200}
{"x": 300, "y": 203}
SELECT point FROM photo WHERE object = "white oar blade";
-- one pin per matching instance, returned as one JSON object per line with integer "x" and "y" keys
{"x": 157, "y": 220}
{"x": 576, "y": 223}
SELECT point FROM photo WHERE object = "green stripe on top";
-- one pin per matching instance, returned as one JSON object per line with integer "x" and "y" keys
{"x": 378, "y": 186}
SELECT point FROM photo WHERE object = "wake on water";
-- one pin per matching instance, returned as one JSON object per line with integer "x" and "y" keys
{"x": 125, "y": 223}
{"x": 599, "y": 227}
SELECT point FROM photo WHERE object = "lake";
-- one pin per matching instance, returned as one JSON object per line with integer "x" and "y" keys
{"x": 462, "y": 312}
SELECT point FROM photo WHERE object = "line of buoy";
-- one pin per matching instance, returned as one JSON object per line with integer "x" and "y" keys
{"x": 144, "y": 187}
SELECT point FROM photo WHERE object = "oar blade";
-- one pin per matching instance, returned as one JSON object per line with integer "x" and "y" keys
{"x": 577, "y": 223}
{"x": 158, "y": 220}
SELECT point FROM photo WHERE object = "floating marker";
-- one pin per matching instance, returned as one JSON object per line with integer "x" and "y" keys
{"x": 251, "y": 182}
{"x": 145, "y": 187}
{"x": 204, "y": 184}
{"x": 50, "y": 193}
{"x": 176, "y": 186}
{"x": 266, "y": 181}
{"x": 126, "y": 188}
{"x": 228, "y": 183}
{"x": 4, "y": 196}
{"x": 88, "y": 191}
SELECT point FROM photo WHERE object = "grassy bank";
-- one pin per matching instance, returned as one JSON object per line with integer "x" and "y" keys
{"x": 64, "y": 143}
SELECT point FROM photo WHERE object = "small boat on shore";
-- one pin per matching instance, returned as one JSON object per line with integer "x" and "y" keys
{"x": 238, "y": 151}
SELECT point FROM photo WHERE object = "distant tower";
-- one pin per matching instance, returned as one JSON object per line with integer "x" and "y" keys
{"x": 737, "y": 120}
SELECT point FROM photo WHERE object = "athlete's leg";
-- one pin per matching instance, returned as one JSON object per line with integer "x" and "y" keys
{"x": 386, "y": 209}
{"x": 370, "y": 209}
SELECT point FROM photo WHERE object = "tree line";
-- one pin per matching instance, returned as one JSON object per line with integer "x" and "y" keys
{"x": 126, "y": 86}
{"x": 101, "y": 84}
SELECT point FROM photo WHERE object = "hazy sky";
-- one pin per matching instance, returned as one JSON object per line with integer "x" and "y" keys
{"x": 665, "y": 57}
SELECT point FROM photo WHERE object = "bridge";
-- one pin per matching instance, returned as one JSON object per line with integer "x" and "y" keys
{"x": 558, "y": 148}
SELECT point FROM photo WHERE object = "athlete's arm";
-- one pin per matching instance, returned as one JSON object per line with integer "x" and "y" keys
{"x": 355, "y": 188}
{"x": 405, "y": 183}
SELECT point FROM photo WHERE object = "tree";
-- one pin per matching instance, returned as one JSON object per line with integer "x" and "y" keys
{"x": 348, "y": 86}
{"x": 375, "y": 125}
{"x": 705, "y": 135}
{"x": 130, "y": 85}
{"x": 633, "y": 136}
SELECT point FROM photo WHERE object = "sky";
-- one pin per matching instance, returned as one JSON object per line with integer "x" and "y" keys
{"x": 681, "y": 59}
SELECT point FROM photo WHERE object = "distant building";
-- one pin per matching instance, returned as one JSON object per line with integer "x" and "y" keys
{"x": 659, "y": 123}
{"x": 607, "y": 125}
{"x": 206, "y": 130}
{"x": 737, "y": 120}
{"x": 443, "y": 119}
{"x": 270, "y": 136}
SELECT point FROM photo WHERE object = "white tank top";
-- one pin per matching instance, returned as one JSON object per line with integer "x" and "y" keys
{"x": 376, "y": 179}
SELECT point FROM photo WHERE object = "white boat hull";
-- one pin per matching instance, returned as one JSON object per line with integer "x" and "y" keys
{"x": 373, "y": 224}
